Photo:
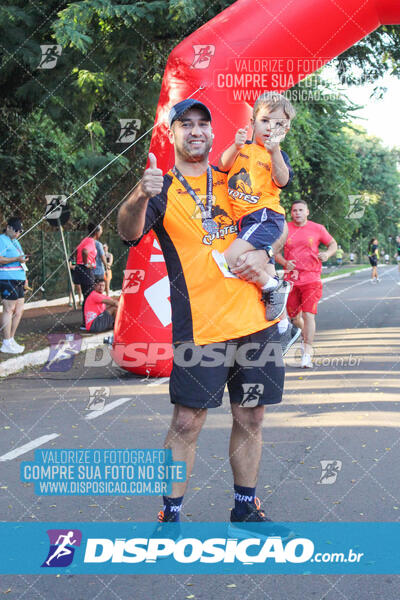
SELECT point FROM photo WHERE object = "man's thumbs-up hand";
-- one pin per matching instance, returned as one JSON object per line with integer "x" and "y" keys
{"x": 152, "y": 182}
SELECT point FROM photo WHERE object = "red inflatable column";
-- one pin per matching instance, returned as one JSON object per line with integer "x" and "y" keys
{"x": 295, "y": 40}
{"x": 143, "y": 333}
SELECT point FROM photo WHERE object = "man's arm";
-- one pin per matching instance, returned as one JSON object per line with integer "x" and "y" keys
{"x": 5, "y": 260}
{"x": 288, "y": 265}
{"x": 250, "y": 265}
{"x": 323, "y": 255}
{"x": 132, "y": 214}
{"x": 85, "y": 256}
{"x": 110, "y": 301}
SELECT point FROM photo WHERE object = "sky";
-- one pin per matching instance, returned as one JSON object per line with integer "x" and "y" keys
{"x": 378, "y": 117}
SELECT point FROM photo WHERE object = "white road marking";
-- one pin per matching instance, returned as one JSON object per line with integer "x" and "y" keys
{"x": 159, "y": 382}
{"x": 29, "y": 446}
{"x": 98, "y": 413}
{"x": 349, "y": 287}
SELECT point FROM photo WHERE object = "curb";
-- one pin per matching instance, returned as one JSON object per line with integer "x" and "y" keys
{"x": 346, "y": 274}
{"x": 40, "y": 357}
{"x": 55, "y": 302}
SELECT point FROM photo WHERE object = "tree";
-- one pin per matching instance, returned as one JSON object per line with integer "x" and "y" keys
{"x": 371, "y": 58}
{"x": 379, "y": 187}
{"x": 61, "y": 125}
{"x": 323, "y": 158}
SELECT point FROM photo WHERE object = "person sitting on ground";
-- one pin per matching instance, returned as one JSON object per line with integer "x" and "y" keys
{"x": 100, "y": 310}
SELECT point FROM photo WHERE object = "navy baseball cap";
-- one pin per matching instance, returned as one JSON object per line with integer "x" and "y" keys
{"x": 179, "y": 109}
{"x": 15, "y": 224}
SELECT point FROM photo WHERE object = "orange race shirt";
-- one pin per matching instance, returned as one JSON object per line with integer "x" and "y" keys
{"x": 250, "y": 183}
{"x": 206, "y": 306}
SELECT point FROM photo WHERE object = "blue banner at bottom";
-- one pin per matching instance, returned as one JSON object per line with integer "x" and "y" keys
{"x": 173, "y": 548}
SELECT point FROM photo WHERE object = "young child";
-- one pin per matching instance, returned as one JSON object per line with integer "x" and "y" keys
{"x": 258, "y": 169}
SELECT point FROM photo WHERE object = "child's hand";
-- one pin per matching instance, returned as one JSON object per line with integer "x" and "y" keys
{"x": 241, "y": 137}
{"x": 271, "y": 146}
{"x": 276, "y": 136}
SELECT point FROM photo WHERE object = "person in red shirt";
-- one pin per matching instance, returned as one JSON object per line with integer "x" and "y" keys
{"x": 303, "y": 265}
{"x": 86, "y": 253}
{"x": 100, "y": 310}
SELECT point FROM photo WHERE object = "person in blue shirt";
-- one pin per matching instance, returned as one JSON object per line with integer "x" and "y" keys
{"x": 101, "y": 263}
{"x": 13, "y": 283}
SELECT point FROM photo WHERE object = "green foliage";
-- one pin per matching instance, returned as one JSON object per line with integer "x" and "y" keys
{"x": 373, "y": 56}
{"x": 322, "y": 156}
{"x": 334, "y": 161}
{"x": 380, "y": 186}
{"x": 60, "y": 126}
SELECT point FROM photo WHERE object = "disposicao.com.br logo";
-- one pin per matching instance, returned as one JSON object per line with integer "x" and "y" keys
{"x": 193, "y": 550}
{"x": 176, "y": 547}
{"x": 208, "y": 548}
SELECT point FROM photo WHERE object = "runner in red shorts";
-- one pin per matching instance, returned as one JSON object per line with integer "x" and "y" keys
{"x": 303, "y": 264}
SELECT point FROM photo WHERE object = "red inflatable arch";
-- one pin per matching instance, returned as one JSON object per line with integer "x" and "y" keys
{"x": 248, "y": 48}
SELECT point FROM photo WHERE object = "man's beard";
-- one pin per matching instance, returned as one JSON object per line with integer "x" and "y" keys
{"x": 186, "y": 152}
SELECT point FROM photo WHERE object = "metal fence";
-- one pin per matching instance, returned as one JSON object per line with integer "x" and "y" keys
{"x": 48, "y": 275}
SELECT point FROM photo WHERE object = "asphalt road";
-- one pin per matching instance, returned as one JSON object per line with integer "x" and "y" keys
{"x": 346, "y": 410}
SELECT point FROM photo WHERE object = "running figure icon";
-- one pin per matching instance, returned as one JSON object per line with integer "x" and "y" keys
{"x": 330, "y": 471}
{"x": 63, "y": 543}
{"x": 62, "y": 549}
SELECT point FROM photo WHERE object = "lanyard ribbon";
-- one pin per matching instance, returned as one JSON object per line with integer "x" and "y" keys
{"x": 206, "y": 210}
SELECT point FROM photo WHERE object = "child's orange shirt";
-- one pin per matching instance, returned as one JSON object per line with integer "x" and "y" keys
{"x": 250, "y": 183}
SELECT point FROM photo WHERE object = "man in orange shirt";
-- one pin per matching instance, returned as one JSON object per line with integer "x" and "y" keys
{"x": 220, "y": 334}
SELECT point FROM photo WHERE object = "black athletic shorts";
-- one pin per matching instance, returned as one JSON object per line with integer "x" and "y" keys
{"x": 103, "y": 322}
{"x": 261, "y": 228}
{"x": 373, "y": 260}
{"x": 75, "y": 277}
{"x": 251, "y": 366}
{"x": 11, "y": 289}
